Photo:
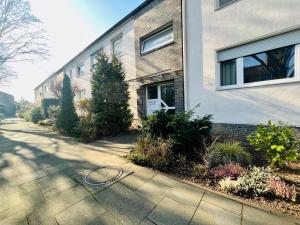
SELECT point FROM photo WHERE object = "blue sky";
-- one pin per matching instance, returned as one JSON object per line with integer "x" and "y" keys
{"x": 71, "y": 25}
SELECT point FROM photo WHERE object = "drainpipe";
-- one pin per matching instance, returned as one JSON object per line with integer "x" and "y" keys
{"x": 184, "y": 45}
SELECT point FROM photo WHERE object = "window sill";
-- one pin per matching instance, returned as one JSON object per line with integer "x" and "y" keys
{"x": 259, "y": 84}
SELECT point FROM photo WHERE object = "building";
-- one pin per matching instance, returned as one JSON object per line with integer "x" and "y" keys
{"x": 242, "y": 61}
{"x": 238, "y": 59}
{"x": 8, "y": 103}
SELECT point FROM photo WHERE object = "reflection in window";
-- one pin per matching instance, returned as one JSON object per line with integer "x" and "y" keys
{"x": 228, "y": 72}
{"x": 269, "y": 65}
{"x": 224, "y": 2}
{"x": 168, "y": 94}
{"x": 152, "y": 92}
{"x": 117, "y": 47}
{"x": 158, "y": 40}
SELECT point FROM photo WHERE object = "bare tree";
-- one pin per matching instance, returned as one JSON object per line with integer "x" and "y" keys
{"x": 56, "y": 89}
{"x": 21, "y": 36}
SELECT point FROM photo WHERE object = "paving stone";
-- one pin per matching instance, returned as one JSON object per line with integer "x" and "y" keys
{"x": 222, "y": 202}
{"x": 124, "y": 204}
{"x": 108, "y": 219}
{"x": 87, "y": 211}
{"x": 57, "y": 181}
{"x": 186, "y": 194}
{"x": 209, "y": 214}
{"x": 17, "y": 219}
{"x": 81, "y": 173}
{"x": 171, "y": 212}
{"x": 154, "y": 190}
{"x": 10, "y": 201}
{"x": 65, "y": 199}
{"x": 138, "y": 178}
{"x": 253, "y": 216}
{"x": 147, "y": 222}
{"x": 159, "y": 178}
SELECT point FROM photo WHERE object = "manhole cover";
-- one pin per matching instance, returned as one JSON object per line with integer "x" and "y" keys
{"x": 103, "y": 175}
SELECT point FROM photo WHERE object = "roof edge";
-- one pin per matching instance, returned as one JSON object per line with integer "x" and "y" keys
{"x": 106, "y": 33}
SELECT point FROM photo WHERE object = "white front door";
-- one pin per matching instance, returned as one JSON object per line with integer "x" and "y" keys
{"x": 160, "y": 96}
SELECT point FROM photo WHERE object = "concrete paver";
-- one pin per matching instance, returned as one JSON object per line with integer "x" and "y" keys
{"x": 41, "y": 184}
{"x": 209, "y": 214}
{"x": 171, "y": 212}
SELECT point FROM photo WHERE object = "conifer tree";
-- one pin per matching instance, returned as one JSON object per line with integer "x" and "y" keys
{"x": 67, "y": 118}
{"x": 110, "y": 96}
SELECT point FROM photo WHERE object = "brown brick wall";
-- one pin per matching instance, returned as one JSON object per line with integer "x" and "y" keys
{"x": 176, "y": 77}
{"x": 168, "y": 58}
{"x": 151, "y": 18}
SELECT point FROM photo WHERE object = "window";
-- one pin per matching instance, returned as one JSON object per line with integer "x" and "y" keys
{"x": 81, "y": 94}
{"x": 269, "y": 67}
{"x": 160, "y": 96}
{"x": 94, "y": 58}
{"x": 71, "y": 73}
{"x": 221, "y": 3}
{"x": 152, "y": 92}
{"x": 158, "y": 40}
{"x": 117, "y": 47}
{"x": 228, "y": 72}
{"x": 80, "y": 70}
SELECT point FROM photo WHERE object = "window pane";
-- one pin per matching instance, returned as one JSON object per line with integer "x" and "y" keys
{"x": 270, "y": 65}
{"x": 168, "y": 94}
{"x": 117, "y": 50}
{"x": 158, "y": 40}
{"x": 152, "y": 92}
{"x": 228, "y": 72}
{"x": 224, "y": 2}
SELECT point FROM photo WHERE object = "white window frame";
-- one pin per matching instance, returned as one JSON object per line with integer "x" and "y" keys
{"x": 153, "y": 36}
{"x": 79, "y": 74}
{"x": 159, "y": 85}
{"x": 240, "y": 75}
{"x": 115, "y": 39}
{"x": 93, "y": 56}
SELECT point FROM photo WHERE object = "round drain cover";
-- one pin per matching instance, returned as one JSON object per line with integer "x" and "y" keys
{"x": 103, "y": 175}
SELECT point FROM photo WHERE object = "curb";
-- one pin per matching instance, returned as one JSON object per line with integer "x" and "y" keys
{"x": 270, "y": 211}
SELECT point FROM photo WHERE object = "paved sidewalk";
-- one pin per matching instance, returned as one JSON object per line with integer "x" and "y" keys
{"x": 40, "y": 184}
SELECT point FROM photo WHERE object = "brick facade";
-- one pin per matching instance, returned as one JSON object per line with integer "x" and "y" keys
{"x": 164, "y": 64}
{"x": 236, "y": 131}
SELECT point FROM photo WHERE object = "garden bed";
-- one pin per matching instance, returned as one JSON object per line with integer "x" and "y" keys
{"x": 291, "y": 175}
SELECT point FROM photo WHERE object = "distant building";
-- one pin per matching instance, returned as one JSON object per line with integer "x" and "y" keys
{"x": 7, "y": 101}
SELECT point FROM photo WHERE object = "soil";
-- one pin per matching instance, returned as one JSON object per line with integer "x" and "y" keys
{"x": 290, "y": 175}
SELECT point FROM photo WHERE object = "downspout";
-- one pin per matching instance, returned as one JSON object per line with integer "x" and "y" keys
{"x": 184, "y": 46}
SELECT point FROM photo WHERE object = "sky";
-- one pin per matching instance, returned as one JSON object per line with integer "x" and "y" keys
{"x": 71, "y": 25}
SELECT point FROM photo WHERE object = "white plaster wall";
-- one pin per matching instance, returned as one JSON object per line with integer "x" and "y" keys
{"x": 207, "y": 30}
{"x": 127, "y": 58}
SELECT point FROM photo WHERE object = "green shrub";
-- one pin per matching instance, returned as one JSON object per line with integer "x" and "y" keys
{"x": 45, "y": 122}
{"x": 110, "y": 97}
{"x": 46, "y": 103}
{"x": 199, "y": 171}
{"x": 188, "y": 135}
{"x": 226, "y": 153}
{"x": 67, "y": 118}
{"x": 156, "y": 153}
{"x": 86, "y": 130}
{"x": 254, "y": 182}
{"x": 227, "y": 184}
{"x": 36, "y": 115}
{"x": 278, "y": 141}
